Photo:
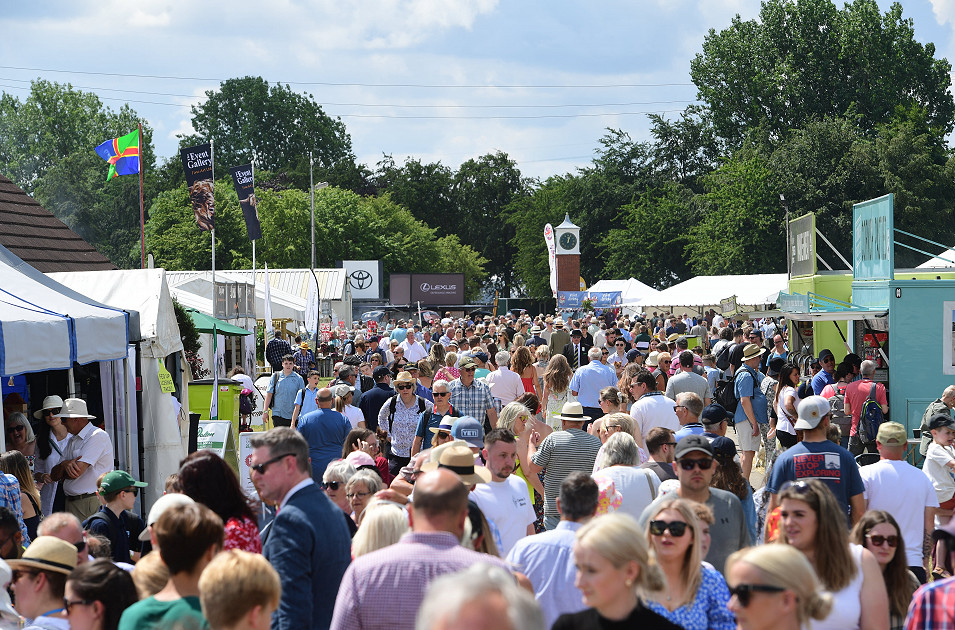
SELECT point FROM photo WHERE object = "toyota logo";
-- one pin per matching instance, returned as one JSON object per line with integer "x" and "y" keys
{"x": 360, "y": 279}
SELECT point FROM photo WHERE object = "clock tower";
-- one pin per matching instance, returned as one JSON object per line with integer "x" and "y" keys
{"x": 567, "y": 236}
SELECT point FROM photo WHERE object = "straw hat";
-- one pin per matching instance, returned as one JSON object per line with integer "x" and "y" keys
{"x": 48, "y": 553}
{"x": 751, "y": 351}
{"x": 458, "y": 458}
{"x": 404, "y": 377}
{"x": 74, "y": 408}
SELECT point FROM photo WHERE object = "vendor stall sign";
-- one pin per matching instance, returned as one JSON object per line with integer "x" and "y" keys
{"x": 872, "y": 242}
{"x": 792, "y": 302}
{"x": 728, "y": 306}
{"x": 245, "y": 457}
{"x": 216, "y": 436}
{"x": 166, "y": 384}
{"x": 802, "y": 246}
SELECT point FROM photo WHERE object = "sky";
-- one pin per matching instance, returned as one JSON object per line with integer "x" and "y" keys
{"x": 436, "y": 80}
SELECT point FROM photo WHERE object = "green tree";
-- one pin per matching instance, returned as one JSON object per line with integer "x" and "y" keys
{"x": 528, "y": 216}
{"x": 741, "y": 229}
{"x": 805, "y": 60}
{"x": 424, "y": 189}
{"x": 483, "y": 188}
{"x": 686, "y": 148}
{"x": 247, "y": 114}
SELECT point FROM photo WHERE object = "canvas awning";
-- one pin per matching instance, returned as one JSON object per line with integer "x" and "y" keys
{"x": 209, "y": 324}
{"x": 751, "y": 290}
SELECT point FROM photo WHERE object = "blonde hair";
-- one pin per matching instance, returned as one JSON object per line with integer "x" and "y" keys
{"x": 543, "y": 353}
{"x": 617, "y": 538}
{"x": 788, "y": 568}
{"x": 150, "y": 574}
{"x": 15, "y": 463}
{"x": 692, "y": 575}
{"x": 451, "y": 359}
{"x": 383, "y": 523}
{"x": 234, "y": 583}
{"x": 510, "y": 413}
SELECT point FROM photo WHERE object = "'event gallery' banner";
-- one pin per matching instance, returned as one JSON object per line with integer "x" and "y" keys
{"x": 197, "y": 163}
{"x": 244, "y": 181}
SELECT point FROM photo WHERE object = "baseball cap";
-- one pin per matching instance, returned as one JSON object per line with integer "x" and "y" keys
{"x": 693, "y": 443}
{"x": 466, "y": 362}
{"x": 162, "y": 504}
{"x": 119, "y": 480}
{"x": 891, "y": 434}
{"x": 380, "y": 372}
{"x": 941, "y": 421}
{"x": 714, "y": 414}
{"x": 811, "y": 411}
{"x": 467, "y": 428}
{"x": 824, "y": 354}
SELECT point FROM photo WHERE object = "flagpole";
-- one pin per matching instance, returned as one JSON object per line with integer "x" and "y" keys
{"x": 212, "y": 152}
{"x": 254, "y": 296}
{"x": 142, "y": 213}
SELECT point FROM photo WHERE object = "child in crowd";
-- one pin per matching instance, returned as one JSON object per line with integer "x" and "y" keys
{"x": 940, "y": 468}
{"x": 239, "y": 591}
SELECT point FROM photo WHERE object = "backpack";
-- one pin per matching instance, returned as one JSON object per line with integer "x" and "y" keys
{"x": 723, "y": 354}
{"x": 393, "y": 405}
{"x": 725, "y": 394}
{"x": 871, "y": 418}
{"x": 838, "y": 405}
{"x": 246, "y": 402}
{"x": 757, "y": 382}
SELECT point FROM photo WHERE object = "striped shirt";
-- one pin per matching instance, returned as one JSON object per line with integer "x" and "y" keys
{"x": 561, "y": 453}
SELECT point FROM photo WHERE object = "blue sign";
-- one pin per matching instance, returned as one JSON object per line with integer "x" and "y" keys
{"x": 606, "y": 299}
{"x": 872, "y": 239}
{"x": 570, "y": 299}
{"x": 792, "y": 303}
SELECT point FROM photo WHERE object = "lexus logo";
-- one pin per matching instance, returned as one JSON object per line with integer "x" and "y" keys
{"x": 431, "y": 288}
{"x": 360, "y": 279}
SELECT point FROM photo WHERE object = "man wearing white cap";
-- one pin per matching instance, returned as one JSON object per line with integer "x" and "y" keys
{"x": 88, "y": 455}
{"x": 818, "y": 458}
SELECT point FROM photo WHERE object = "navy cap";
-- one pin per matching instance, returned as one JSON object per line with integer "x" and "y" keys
{"x": 380, "y": 372}
{"x": 714, "y": 414}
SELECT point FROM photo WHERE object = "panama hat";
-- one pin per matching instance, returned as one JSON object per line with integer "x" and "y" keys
{"x": 751, "y": 351}
{"x": 48, "y": 553}
{"x": 653, "y": 360}
{"x": 50, "y": 402}
{"x": 74, "y": 408}
{"x": 459, "y": 459}
{"x": 573, "y": 412}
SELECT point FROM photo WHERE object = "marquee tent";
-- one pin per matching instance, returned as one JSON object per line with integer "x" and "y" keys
{"x": 943, "y": 260}
{"x": 704, "y": 291}
{"x": 632, "y": 291}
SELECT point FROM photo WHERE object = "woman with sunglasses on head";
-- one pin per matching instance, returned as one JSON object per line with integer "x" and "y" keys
{"x": 206, "y": 478}
{"x": 878, "y": 532}
{"x": 774, "y": 587}
{"x": 615, "y": 571}
{"x": 96, "y": 595}
{"x": 812, "y": 521}
{"x": 695, "y": 594}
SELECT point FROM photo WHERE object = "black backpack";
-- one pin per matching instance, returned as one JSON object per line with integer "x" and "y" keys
{"x": 723, "y": 355}
{"x": 725, "y": 394}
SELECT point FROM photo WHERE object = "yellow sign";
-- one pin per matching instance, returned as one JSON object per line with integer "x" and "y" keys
{"x": 165, "y": 379}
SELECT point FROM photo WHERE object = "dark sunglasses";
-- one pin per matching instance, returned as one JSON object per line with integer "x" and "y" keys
{"x": 334, "y": 485}
{"x": 689, "y": 464}
{"x": 15, "y": 428}
{"x": 69, "y": 603}
{"x": 878, "y": 540}
{"x": 468, "y": 369}
{"x": 443, "y": 434}
{"x": 261, "y": 468}
{"x": 404, "y": 387}
{"x": 133, "y": 491}
{"x": 440, "y": 393}
{"x": 744, "y": 592}
{"x": 677, "y": 528}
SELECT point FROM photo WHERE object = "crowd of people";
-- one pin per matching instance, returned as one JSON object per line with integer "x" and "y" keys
{"x": 511, "y": 472}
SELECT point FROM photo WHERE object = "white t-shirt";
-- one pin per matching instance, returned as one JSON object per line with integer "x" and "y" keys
{"x": 784, "y": 423}
{"x": 935, "y": 467}
{"x": 638, "y": 486}
{"x": 354, "y": 415}
{"x": 654, "y": 410}
{"x": 883, "y": 481}
{"x": 508, "y": 507}
{"x": 847, "y": 603}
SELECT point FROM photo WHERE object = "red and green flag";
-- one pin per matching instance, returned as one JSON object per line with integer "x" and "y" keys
{"x": 122, "y": 154}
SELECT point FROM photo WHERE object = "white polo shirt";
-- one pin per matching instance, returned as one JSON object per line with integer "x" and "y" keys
{"x": 93, "y": 447}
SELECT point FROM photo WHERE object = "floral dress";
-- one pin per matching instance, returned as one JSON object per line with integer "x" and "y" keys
{"x": 555, "y": 405}
{"x": 242, "y": 534}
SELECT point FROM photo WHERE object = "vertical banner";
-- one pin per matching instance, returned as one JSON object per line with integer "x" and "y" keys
{"x": 197, "y": 163}
{"x": 802, "y": 246}
{"x": 551, "y": 256}
{"x": 244, "y": 182}
{"x": 214, "y": 400}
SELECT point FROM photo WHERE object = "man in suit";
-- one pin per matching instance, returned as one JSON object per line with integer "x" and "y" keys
{"x": 308, "y": 543}
{"x": 576, "y": 351}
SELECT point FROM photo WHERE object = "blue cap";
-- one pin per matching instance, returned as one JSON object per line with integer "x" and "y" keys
{"x": 470, "y": 430}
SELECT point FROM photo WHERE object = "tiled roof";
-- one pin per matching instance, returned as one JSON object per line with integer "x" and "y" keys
{"x": 32, "y": 232}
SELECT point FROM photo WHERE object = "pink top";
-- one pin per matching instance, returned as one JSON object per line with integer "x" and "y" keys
{"x": 242, "y": 534}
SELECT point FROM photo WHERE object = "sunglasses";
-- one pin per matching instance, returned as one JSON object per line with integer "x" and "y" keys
{"x": 404, "y": 387}
{"x": 799, "y": 487}
{"x": 744, "y": 592}
{"x": 443, "y": 434}
{"x": 690, "y": 464}
{"x": 16, "y": 575}
{"x": 14, "y": 429}
{"x": 133, "y": 491}
{"x": 261, "y": 468}
{"x": 69, "y": 603}
{"x": 333, "y": 485}
{"x": 440, "y": 393}
{"x": 468, "y": 369}
{"x": 677, "y": 528}
{"x": 878, "y": 540}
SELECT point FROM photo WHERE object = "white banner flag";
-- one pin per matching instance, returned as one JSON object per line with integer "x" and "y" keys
{"x": 551, "y": 256}
{"x": 214, "y": 402}
{"x": 268, "y": 306}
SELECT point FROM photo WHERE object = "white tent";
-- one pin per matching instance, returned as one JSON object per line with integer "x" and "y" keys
{"x": 146, "y": 291}
{"x": 945, "y": 259}
{"x": 194, "y": 289}
{"x": 632, "y": 291}
{"x": 44, "y": 327}
{"x": 705, "y": 291}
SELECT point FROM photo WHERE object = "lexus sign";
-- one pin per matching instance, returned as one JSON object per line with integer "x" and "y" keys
{"x": 431, "y": 289}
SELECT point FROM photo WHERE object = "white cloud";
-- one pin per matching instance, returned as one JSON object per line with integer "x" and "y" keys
{"x": 944, "y": 11}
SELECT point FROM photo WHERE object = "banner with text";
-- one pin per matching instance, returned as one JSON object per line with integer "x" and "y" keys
{"x": 570, "y": 299}
{"x": 244, "y": 181}
{"x": 551, "y": 256}
{"x": 197, "y": 163}
{"x": 872, "y": 239}
{"x": 802, "y": 246}
{"x": 728, "y": 306}
{"x": 606, "y": 299}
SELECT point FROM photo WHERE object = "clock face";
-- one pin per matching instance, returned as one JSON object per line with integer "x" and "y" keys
{"x": 568, "y": 241}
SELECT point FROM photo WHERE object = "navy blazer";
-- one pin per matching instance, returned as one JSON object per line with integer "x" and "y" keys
{"x": 309, "y": 545}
